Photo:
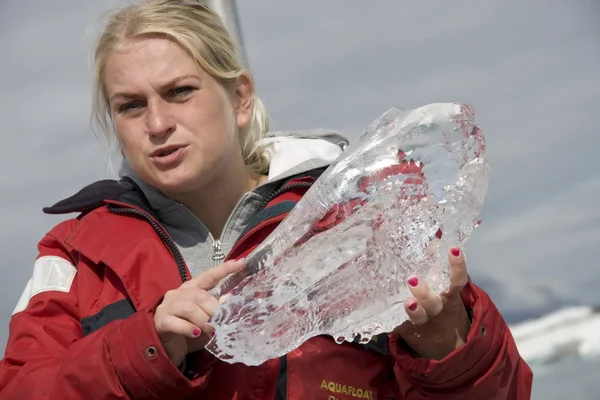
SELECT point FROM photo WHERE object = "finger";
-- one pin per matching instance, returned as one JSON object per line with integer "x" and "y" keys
{"x": 213, "y": 276}
{"x": 458, "y": 270}
{"x": 190, "y": 311}
{"x": 416, "y": 313}
{"x": 224, "y": 298}
{"x": 209, "y": 305}
{"x": 203, "y": 299}
{"x": 430, "y": 302}
{"x": 170, "y": 324}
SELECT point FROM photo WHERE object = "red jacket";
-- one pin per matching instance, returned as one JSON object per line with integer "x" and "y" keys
{"x": 85, "y": 328}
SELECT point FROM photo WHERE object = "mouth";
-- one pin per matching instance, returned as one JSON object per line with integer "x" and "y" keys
{"x": 166, "y": 151}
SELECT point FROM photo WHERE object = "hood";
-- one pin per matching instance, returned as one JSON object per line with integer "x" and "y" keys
{"x": 294, "y": 152}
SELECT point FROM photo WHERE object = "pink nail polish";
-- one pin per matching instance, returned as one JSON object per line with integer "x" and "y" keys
{"x": 196, "y": 332}
{"x": 455, "y": 252}
{"x": 413, "y": 306}
{"x": 414, "y": 281}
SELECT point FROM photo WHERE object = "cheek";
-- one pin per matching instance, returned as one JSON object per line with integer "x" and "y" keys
{"x": 217, "y": 130}
{"x": 127, "y": 140}
{"x": 122, "y": 142}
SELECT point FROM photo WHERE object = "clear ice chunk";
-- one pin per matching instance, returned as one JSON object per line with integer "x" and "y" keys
{"x": 389, "y": 207}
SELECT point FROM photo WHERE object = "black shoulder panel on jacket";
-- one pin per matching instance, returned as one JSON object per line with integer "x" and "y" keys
{"x": 313, "y": 173}
{"x": 93, "y": 196}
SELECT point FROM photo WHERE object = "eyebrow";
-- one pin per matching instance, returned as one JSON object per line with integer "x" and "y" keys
{"x": 169, "y": 84}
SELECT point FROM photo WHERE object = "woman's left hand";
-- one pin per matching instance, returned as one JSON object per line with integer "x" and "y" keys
{"x": 438, "y": 324}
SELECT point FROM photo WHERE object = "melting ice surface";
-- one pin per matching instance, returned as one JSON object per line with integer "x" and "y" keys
{"x": 389, "y": 207}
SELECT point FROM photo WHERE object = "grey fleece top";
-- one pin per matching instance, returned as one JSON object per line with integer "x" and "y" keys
{"x": 290, "y": 154}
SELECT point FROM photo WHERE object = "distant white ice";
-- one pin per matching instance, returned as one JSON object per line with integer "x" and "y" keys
{"x": 566, "y": 333}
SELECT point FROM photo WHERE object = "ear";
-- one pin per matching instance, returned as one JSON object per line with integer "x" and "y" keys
{"x": 244, "y": 100}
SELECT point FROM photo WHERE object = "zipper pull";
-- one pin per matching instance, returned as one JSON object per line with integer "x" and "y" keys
{"x": 218, "y": 255}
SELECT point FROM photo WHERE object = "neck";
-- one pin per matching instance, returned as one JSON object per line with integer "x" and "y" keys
{"x": 214, "y": 203}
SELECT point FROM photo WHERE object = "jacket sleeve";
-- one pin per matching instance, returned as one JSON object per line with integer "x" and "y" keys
{"x": 488, "y": 366}
{"x": 47, "y": 357}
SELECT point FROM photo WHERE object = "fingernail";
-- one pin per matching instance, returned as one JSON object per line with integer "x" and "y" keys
{"x": 196, "y": 332}
{"x": 413, "y": 306}
{"x": 455, "y": 252}
{"x": 212, "y": 334}
{"x": 414, "y": 281}
{"x": 224, "y": 298}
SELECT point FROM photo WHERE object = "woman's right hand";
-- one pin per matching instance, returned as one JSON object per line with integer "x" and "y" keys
{"x": 181, "y": 318}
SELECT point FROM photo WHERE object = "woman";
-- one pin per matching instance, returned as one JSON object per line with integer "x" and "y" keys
{"x": 119, "y": 299}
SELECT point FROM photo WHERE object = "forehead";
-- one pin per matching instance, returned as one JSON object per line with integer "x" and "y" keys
{"x": 148, "y": 61}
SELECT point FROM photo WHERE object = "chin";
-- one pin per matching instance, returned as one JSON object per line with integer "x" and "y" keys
{"x": 173, "y": 186}
{"x": 180, "y": 183}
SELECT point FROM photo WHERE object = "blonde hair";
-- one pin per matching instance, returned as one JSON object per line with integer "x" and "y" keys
{"x": 201, "y": 33}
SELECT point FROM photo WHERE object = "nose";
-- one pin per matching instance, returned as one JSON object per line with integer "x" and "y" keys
{"x": 158, "y": 119}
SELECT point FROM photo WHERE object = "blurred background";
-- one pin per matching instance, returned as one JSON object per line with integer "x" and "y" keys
{"x": 530, "y": 69}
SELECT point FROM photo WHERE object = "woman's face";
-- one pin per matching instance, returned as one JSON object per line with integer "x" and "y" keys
{"x": 177, "y": 127}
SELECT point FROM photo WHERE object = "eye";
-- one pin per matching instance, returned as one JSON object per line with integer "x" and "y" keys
{"x": 182, "y": 91}
{"x": 130, "y": 106}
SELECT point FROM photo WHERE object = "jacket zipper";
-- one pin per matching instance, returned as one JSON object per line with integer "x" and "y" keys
{"x": 218, "y": 255}
{"x": 164, "y": 236}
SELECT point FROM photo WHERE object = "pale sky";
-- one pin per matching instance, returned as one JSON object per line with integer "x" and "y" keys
{"x": 530, "y": 69}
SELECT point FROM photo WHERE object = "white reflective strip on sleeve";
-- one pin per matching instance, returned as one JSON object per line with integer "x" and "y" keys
{"x": 50, "y": 273}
